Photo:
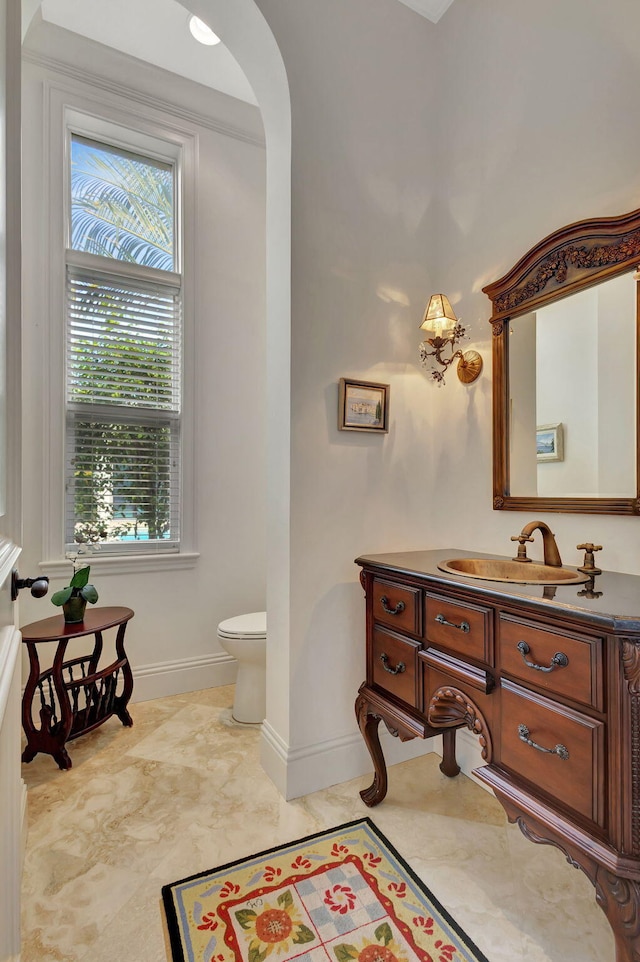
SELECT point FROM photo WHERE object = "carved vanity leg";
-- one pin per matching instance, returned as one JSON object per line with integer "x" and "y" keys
{"x": 368, "y": 723}
{"x": 448, "y": 765}
{"x": 619, "y": 898}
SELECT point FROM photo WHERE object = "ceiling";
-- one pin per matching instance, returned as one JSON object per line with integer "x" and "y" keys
{"x": 431, "y": 9}
{"x": 157, "y": 31}
{"x": 164, "y": 40}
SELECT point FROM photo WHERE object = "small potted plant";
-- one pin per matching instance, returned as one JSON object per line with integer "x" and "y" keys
{"x": 73, "y": 599}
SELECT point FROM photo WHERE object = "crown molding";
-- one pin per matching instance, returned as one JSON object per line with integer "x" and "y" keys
{"x": 431, "y": 9}
{"x": 82, "y": 76}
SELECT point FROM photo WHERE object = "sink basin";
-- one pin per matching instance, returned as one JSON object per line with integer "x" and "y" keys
{"x": 515, "y": 572}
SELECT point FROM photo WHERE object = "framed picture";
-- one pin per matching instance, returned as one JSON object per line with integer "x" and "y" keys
{"x": 550, "y": 442}
{"x": 363, "y": 406}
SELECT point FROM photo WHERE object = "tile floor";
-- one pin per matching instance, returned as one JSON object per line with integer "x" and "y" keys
{"x": 183, "y": 791}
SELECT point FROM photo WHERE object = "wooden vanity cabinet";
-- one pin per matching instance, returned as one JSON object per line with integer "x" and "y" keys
{"x": 550, "y": 686}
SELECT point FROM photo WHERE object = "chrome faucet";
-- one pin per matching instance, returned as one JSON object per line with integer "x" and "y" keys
{"x": 549, "y": 546}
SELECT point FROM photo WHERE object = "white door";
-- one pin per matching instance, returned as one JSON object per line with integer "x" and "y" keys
{"x": 11, "y": 786}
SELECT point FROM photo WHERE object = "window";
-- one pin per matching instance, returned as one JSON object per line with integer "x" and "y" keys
{"x": 123, "y": 349}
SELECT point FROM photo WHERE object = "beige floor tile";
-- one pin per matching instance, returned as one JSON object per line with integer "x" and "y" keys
{"x": 182, "y": 791}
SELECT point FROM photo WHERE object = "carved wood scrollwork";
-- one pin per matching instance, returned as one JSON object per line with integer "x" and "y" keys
{"x": 498, "y": 504}
{"x": 572, "y": 256}
{"x": 619, "y": 898}
{"x": 363, "y": 581}
{"x": 630, "y": 655}
{"x": 497, "y": 328}
{"x": 556, "y": 267}
{"x": 451, "y": 708}
{"x": 368, "y": 722}
{"x": 528, "y": 832}
{"x": 631, "y": 665}
{"x": 366, "y": 713}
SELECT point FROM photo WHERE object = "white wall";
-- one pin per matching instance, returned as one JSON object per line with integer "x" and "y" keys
{"x": 535, "y": 108}
{"x": 567, "y": 392}
{"x": 364, "y": 153}
{"x": 171, "y": 640}
{"x": 617, "y": 384}
{"x": 588, "y": 383}
{"x": 424, "y": 157}
{"x": 523, "y": 372}
{"x": 573, "y": 362}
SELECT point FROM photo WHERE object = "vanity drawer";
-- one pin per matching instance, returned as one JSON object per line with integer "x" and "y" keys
{"x": 572, "y": 780}
{"x": 459, "y": 627}
{"x": 397, "y": 606}
{"x": 394, "y": 665}
{"x": 567, "y": 664}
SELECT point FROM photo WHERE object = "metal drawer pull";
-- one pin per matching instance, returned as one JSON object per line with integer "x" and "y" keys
{"x": 559, "y": 660}
{"x": 463, "y": 626}
{"x": 384, "y": 601}
{"x": 400, "y": 667}
{"x": 559, "y": 750}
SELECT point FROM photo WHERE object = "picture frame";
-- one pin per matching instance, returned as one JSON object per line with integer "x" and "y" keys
{"x": 363, "y": 406}
{"x": 550, "y": 442}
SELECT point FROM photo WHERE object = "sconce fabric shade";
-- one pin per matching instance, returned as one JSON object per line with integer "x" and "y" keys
{"x": 440, "y": 318}
{"x": 439, "y": 315}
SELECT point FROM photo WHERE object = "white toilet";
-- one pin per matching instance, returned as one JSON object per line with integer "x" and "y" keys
{"x": 245, "y": 638}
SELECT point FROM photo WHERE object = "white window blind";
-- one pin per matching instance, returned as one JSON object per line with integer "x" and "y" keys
{"x": 123, "y": 341}
{"x": 123, "y": 394}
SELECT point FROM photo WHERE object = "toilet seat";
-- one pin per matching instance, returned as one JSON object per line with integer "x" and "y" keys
{"x": 250, "y": 626}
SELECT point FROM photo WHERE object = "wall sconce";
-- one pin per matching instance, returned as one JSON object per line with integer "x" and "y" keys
{"x": 440, "y": 318}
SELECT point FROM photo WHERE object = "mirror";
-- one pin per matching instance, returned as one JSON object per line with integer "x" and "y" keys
{"x": 565, "y": 363}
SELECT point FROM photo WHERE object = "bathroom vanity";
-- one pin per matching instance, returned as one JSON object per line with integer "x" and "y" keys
{"x": 547, "y": 677}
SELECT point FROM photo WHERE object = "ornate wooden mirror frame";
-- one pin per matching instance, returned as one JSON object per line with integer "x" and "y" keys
{"x": 569, "y": 260}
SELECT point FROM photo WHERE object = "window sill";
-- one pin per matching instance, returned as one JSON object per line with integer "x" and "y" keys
{"x": 125, "y": 564}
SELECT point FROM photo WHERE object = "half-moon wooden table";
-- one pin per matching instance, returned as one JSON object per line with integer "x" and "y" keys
{"x": 74, "y": 696}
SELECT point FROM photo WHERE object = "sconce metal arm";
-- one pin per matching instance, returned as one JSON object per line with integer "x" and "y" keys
{"x": 439, "y": 344}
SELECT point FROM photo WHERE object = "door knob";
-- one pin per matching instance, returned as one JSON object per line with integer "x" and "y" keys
{"x": 39, "y": 586}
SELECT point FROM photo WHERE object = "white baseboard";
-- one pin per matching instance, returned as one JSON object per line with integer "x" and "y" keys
{"x": 24, "y": 819}
{"x": 297, "y": 771}
{"x": 469, "y": 755}
{"x": 273, "y": 757}
{"x": 300, "y": 771}
{"x": 187, "y": 674}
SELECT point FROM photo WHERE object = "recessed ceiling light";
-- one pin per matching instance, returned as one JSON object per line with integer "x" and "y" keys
{"x": 202, "y": 32}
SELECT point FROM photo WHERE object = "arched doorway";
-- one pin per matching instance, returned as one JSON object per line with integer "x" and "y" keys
{"x": 248, "y": 36}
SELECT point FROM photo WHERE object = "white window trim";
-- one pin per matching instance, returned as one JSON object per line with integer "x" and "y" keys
{"x": 117, "y": 564}
{"x": 165, "y": 140}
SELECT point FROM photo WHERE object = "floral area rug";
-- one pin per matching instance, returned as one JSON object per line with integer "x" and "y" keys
{"x": 340, "y": 896}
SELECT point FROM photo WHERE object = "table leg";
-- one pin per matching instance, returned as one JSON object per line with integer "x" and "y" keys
{"x": 97, "y": 651}
{"x": 66, "y": 714}
{"x": 121, "y": 701}
{"x": 448, "y": 765}
{"x": 619, "y": 898}
{"x": 50, "y": 738}
{"x": 29, "y": 728}
{"x": 368, "y": 723}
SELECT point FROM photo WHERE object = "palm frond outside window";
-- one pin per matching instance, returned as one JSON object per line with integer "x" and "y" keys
{"x": 123, "y": 350}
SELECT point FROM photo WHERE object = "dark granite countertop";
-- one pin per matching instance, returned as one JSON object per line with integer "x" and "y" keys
{"x": 617, "y": 609}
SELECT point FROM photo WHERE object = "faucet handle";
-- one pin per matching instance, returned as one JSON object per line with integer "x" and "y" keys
{"x": 522, "y": 551}
{"x": 588, "y": 565}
